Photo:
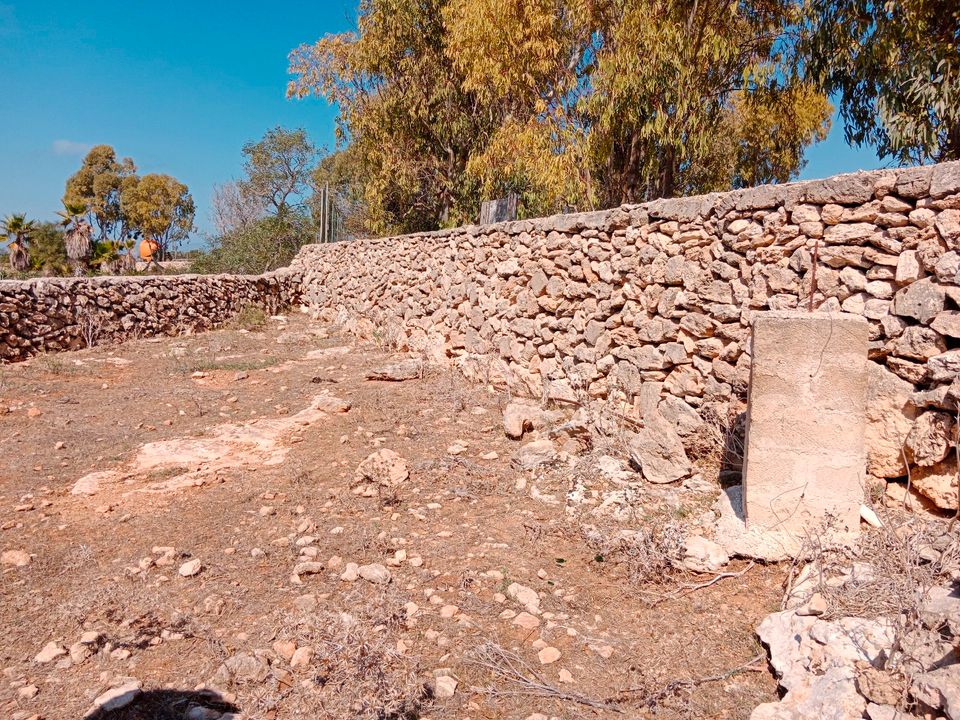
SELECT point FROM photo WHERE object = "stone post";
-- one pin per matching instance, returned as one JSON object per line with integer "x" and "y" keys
{"x": 805, "y": 459}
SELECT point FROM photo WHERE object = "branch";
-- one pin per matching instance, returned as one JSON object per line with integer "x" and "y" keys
{"x": 513, "y": 669}
{"x": 652, "y": 699}
{"x": 691, "y": 588}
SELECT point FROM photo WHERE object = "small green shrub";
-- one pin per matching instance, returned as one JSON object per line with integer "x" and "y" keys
{"x": 250, "y": 317}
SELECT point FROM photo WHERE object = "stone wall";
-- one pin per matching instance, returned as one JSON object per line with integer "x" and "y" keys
{"x": 51, "y": 314}
{"x": 660, "y": 296}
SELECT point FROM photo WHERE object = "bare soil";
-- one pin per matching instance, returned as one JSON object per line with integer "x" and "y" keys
{"x": 656, "y": 649}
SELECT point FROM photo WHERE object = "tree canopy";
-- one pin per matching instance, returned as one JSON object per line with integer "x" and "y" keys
{"x": 569, "y": 103}
{"x": 264, "y": 218}
{"x": 278, "y": 168}
{"x": 586, "y": 103}
{"x": 896, "y": 69}
{"x": 160, "y": 208}
{"x": 122, "y": 206}
{"x": 98, "y": 185}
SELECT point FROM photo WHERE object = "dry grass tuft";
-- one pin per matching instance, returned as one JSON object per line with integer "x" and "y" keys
{"x": 250, "y": 317}
{"x": 648, "y": 552}
{"x": 357, "y": 669}
{"x": 900, "y": 564}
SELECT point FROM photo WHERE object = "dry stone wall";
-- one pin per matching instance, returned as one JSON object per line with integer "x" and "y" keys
{"x": 654, "y": 302}
{"x": 51, "y": 314}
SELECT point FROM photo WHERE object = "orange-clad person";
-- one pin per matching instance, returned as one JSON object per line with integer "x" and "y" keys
{"x": 148, "y": 253}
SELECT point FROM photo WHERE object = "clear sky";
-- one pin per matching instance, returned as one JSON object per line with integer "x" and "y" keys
{"x": 178, "y": 86}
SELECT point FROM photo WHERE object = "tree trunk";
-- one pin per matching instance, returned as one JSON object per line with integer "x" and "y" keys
{"x": 19, "y": 257}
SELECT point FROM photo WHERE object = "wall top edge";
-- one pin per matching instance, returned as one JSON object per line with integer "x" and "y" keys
{"x": 97, "y": 281}
{"x": 935, "y": 181}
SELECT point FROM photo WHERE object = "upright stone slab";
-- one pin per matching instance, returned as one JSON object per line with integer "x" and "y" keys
{"x": 805, "y": 457}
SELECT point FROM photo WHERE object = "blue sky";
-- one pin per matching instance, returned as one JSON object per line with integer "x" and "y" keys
{"x": 178, "y": 86}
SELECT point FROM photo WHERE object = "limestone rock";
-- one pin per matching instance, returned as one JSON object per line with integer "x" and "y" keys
{"x": 520, "y": 417}
{"x": 15, "y": 558}
{"x": 190, "y": 568}
{"x": 658, "y": 451}
{"x": 944, "y": 367}
{"x": 398, "y": 372}
{"x": 938, "y": 483}
{"x": 947, "y": 323}
{"x": 948, "y": 225}
{"x": 374, "y": 573}
{"x": 919, "y": 343}
{"x": 941, "y": 608}
{"x": 534, "y": 454}
{"x": 702, "y": 555}
{"x": 383, "y": 467}
{"x": 684, "y": 418}
{"x": 945, "y": 179}
{"x": 444, "y": 687}
{"x": 940, "y": 689}
{"x": 890, "y": 415}
{"x": 526, "y": 596}
{"x": 241, "y": 668}
{"x": 921, "y": 300}
{"x": 831, "y": 696}
{"x": 50, "y": 652}
{"x": 548, "y": 655}
{"x": 931, "y": 438}
{"x": 908, "y": 267}
{"x": 115, "y": 698}
{"x": 814, "y": 607}
{"x": 302, "y": 657}
{"x": 816, "y": 662}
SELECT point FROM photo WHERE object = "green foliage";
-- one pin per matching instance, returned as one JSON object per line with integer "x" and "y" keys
{"x": 97, "y": 186}
{"x": 250, "y": 317}
{"x": 160, "y": 208}
{"x": 569, "y": 103}
{"x": 264, "y": 218}
{"x": 670, "y": 77}
{"x": 48, "y": 251}
{"x": 78, "y": 235}
{"x": 403, "y": 108}
{"x": 278, "y": 169}
{"x": 123, "y": 206}
{"x": 342, "y": 172}
{"x": 896, "y": 68}
{"x": 265, "y": 244}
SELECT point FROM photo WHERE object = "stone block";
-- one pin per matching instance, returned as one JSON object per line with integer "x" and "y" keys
{"x": 805, "y": 456}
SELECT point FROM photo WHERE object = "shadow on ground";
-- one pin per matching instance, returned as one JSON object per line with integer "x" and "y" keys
{"x": 168, "y": 705}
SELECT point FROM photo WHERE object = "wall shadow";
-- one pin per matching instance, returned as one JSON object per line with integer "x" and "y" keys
{"x": 169, "y": 705}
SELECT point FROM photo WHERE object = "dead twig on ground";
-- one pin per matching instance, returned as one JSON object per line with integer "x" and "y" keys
{"x": 651, "y": 699}
{"x": 688, "y": 588}
{"x": 511, "y": 668}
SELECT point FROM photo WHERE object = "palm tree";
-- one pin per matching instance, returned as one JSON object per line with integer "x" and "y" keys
{"x": 78, "y": 235}
{"x": 21, "y": 229}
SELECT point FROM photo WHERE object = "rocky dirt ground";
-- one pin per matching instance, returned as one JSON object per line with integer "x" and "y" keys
{"x": 245, "y": 512}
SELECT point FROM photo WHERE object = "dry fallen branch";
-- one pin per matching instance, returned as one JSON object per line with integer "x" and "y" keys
{"x": 651, "y": 699}
{"x": 512, "y": 669}
{"x": 689, "y": 588}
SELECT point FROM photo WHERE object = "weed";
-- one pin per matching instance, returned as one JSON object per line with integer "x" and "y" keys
{"x": 56, "y": 365}
{"x": 648, "y": 553}
{"x": 250, "y": 317}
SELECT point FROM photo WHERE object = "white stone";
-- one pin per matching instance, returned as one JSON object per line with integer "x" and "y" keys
{"x": 190, "y": 568}
{"x": 50, "y": 652}
{"x": 374, "y": 573}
